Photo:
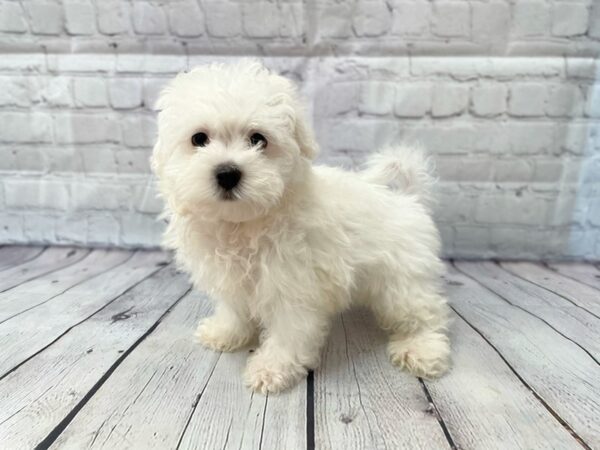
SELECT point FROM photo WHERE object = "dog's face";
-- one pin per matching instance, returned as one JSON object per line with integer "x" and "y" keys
{"x": 230, "y": 140}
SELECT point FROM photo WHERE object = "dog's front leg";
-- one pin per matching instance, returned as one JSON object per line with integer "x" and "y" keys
{"x": 291, "y": 343}
{"x": 228, "y": 329}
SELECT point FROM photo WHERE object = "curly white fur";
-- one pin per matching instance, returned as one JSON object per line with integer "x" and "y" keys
{"x": 297, "y": 243}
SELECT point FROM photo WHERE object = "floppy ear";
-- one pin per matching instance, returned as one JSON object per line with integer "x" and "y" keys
{"x": 304, "y": 136}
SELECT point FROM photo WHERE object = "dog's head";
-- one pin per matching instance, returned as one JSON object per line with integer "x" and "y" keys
{"x": 231, "y": 139}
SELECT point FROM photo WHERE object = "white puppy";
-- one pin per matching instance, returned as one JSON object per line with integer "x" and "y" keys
{"x": 282, "y": 245}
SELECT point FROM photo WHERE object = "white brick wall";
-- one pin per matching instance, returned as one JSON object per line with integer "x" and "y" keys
{"x": 505, "y": 94}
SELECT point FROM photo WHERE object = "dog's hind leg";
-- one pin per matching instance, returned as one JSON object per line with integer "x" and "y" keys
{"x": 416, "y": 317}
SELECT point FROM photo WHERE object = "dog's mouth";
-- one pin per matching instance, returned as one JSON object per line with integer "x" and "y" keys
{"x": 229, "y": 196}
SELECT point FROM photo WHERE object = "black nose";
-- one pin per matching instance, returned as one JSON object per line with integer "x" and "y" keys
{"x": 228, "y": 176}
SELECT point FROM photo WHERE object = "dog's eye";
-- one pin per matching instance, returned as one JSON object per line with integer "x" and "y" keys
{"x": 258, "y": 139}
{"x": 199, "y": 139}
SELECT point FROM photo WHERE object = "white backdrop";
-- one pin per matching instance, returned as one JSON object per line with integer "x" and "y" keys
{"x": 503, "y": 94}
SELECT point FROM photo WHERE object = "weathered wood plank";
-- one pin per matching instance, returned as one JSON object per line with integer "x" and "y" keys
{"x": 31, "y": 331}
{"x": 556, "y": 369}
{"x": 362, "y": 400}
{"x": 245, "y": 419}
{"x": 36, "y": 397}
{"x": 13, "y": 255}
{"x": 582, "y": 272}
{"x": 572, "y": 321}
{"x": 483, "y": 403}
{"x": 572, "y": 290}
{"x": 42, "y": 289}
{"x": 48, "y": 261}
{"x": 148, "y": 400}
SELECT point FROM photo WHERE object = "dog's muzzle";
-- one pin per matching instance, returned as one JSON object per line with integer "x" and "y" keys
{"x": 228, "y": 176}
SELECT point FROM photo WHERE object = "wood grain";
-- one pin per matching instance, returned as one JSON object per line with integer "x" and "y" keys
{"x": 44, "y": 288}
{"x": 572, "y": 321}
{"x": 13, "y": 255}
{"x": 574, "y": 291}
{"x": 148, "y": 400}
{"x": 38, "y": 395}
{"x": 557, "y": 370}
{"x": 483, "y": 403}
{"x": 362, "y": 400}
{"x": 582, "y": 272}
{"x": 49, "y": 260}
{"x": 24, "y": 335}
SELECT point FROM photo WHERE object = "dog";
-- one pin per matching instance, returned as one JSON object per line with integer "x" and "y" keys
{"x": 282, "y": 245}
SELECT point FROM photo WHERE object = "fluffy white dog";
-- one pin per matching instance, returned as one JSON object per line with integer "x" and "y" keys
{"x": 283, "y": 245}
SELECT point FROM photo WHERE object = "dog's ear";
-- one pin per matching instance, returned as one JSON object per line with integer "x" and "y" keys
{"x": 304, "y": 137}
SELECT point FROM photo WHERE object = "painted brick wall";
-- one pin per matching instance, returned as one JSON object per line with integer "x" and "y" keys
{"x": 505, "y": 94}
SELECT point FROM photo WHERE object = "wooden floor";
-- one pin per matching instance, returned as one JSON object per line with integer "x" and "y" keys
{"x": 97, "y": 351}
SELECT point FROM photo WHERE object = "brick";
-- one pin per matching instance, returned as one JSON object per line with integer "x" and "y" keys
{"x": 138, "y": 229}
{"x": 135, "y": 161}
{"x": 60, "y": 63}
{"x": 85, "y": 129}
{"x": 103, "y": 229}
{"x": 186, "y": 19}
{"x": 30, "y": 159}
{"x": 449, "y": 100}
{"x": 39, "y": 228}
{"x": 57, "y": 92}
{"x": 371, "y": 18}
{"x": 451, "y": 19}
{"x": 413, "y": 100}
{"x": 36, "y": 193}
{"x": 14, "y": 91}
{"x": 511, "y": 209}
{"x": 377, "y": 98}
{"x": 12, "y": 19}
{"x": 148, "y": 19}
{"x": 336, "y": 98}
{"x": 411, "y": 18}
{"x": 292, "y": 20}
{"x": 90, "y": 92}
{"x": 475, "y": 168}
{"x": 71, "y": 230}
{"x": 253, "y": 19}
{"x": 125, "y": 93}
{"x": 44, "y": 17}
{"x": 592, "y": 108}
{"x": 530, "y": 138}
{"x": 11, "y": 227}
{"x": 113, "y": 17}
{"x": 594, "y": 29}
{"x": 547, "y": 171}
{"x": 25, "y": 127}
{"x": 469, "y": 241}
{"x": 151, "y": 90}
{"x": 139, "y": 131}
{"x": 146, "y": 199}
{"x": 527, "y": 99}
{"x": 80, "y": 17}
{"x": 564, "y": 101}
{"x": 99, "y": 195}
{"x": 335, "y": 20}
{"x": 488, "y": 100}
{"x": 512, "y": 170}
{"x": 145, "y": 63}
{"x": 98, "y": 160}
{"x": 531, "y": 18}
{"x": 491, "y": 22}
{"x": 223, "y": 19}
{"x": 581, "y": 68}
{"x": 569, "y": 19}
{"x": 357, "y": 136}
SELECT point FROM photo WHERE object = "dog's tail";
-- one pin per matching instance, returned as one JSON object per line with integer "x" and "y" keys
{"x": 403, "y": 168}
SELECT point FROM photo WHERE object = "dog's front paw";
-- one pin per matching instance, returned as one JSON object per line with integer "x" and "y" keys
{"x": 222, "y": 337}
{"x": 266, "y": 376}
